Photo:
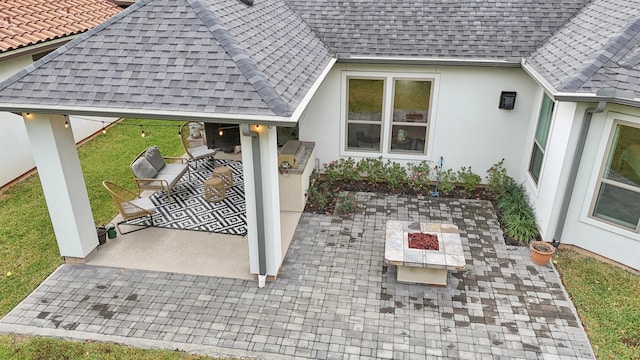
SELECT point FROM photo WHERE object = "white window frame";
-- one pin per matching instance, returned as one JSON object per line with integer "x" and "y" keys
{"x": 387, "y": 114}
{"x": 614, "y": 119}
{"x": 536, "y": 183}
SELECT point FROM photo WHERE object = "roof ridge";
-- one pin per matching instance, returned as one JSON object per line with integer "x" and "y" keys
{"x": 608, "y": 50}
{"x": 242, "y": 58}
{"x": 59, "y": 51}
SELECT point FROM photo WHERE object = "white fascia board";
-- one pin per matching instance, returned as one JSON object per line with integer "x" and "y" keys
{"x": 307, "y": 98}
{"x": 151, "y": 114}
{"x": 35, "y": 48}
{"x": 538, "y": 78}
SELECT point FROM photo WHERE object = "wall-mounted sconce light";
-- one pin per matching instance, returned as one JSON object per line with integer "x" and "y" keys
{"x": 507, "y": 100}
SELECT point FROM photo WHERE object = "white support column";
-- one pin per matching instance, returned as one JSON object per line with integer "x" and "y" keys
{"x": 56, "y": 157}
{"x": 267, "y": 180}
{"x": 250, "y": 201}
{"x": 271, "y": 198}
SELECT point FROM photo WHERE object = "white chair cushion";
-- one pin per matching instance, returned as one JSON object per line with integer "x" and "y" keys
{"x": 144, "y": 202}
{"x": 201, "y": 151}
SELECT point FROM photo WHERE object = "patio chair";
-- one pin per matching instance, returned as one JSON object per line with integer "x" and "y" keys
{"x": 130, "y": 205}
{"x": 194, "y": 142}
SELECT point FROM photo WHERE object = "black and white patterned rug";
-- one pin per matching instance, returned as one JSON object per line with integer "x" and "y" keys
{"x": 190, "y": 211}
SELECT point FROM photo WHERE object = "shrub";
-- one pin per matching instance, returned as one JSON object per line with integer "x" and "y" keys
{"x": 346, "y": 204}
{"x": 518, "y": 217}
{"x": 374, "y": 169}
{"x": 447, "y": 181}
{"x": 468, "y": 179}
{"x": 395, "y": 175}
{"x": 496, "y": 177}
{"x": 342, "y": 170}
{"x": 420, "y": 178}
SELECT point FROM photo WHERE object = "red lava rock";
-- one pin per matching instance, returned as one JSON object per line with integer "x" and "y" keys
{"x": 423, "y": 241}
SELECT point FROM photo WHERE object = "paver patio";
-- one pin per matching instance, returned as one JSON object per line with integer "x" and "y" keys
{"x": 335, "y": 298}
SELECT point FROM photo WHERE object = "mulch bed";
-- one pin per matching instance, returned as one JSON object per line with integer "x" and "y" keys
{"x": 367, "y": 186}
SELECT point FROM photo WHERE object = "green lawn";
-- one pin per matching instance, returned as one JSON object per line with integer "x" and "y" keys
{"x": 608, "y": 301}
{"x": 28, "y": 247}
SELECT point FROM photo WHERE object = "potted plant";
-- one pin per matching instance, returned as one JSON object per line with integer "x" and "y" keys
{"x": 541, "y": 252}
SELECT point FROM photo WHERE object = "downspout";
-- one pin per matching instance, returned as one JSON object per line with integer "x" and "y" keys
{"x": 573, "y": 172}
{"x": 257, "y": 183}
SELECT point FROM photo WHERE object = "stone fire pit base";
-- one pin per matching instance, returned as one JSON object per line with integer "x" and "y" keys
{"x": 428, "y": 267}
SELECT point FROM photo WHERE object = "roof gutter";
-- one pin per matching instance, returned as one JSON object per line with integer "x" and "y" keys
{"x": 573, "y": 172}
{"x": 610, "y": 96}
{"x": 347, "y": 58}
{"x": 150, "y": 114}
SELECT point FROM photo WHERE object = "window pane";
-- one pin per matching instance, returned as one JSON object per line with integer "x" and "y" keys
{"x": 623, "y": 164}
{"x": 363, "y": 136}
{"x": 544, "y": 121}
{"x": 365, "y": 99}
{"x": 411, "y": 101}
{"x": 536, "y": 163}
{"x": 408, "y": 138}
{"x": 617, "y": 205}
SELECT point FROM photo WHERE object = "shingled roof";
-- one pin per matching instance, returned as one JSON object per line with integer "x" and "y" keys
{"x": 598, "y": 49}
{"x": 466, "y": 29}
{"x": 28, "y": 22}
{"x": 205, "y": 56}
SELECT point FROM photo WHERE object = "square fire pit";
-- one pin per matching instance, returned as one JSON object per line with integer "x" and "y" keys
{"x": 423, "y": 266}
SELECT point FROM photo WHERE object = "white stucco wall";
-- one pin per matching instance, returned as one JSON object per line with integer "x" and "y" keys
{"x": 13, "y": 134}
{"x": 582, "y": 230}
{"x": 467, "y": 128}
{"x": 546, "y": 196}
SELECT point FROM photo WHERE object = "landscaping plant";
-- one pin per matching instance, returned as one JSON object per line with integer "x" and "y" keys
{"x": 447, "y": 181}
{"x": 496, "y": 177}
{"x": 420, "y": 179}
{"x": 468, "y": 180}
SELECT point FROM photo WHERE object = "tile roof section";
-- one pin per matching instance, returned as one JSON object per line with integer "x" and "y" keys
{"x": 211, "y": 56}
{"x": 598, "y": 49}
{"x": 28, "y": 22}
{"x": 467, "y": 29}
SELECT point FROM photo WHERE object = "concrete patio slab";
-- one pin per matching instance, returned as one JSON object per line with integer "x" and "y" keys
{"x": 335, "y": 298}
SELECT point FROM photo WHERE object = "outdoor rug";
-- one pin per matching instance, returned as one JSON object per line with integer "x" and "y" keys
{"x": 190, "y": 211}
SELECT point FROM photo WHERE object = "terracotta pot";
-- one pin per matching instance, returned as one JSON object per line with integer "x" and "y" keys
{"x": 541, "y": 252}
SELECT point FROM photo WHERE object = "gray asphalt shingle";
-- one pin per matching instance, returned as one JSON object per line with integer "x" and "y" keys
{"x": 222, "y": 56}
{"x": 477, "y": 29}
{"x": 182, "y": 55}
{"x": 596, "y": 50}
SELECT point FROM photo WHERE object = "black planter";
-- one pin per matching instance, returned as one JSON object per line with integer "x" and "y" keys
{"x": 102, "y": 235}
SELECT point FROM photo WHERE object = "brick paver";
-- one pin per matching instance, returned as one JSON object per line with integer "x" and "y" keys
{"x": 335, "y": 298}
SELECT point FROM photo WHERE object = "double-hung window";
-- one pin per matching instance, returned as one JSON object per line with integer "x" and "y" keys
{"x": 540, "y": 140}
{"x": 388, "y": 114}
{"x": 618, "y": 191}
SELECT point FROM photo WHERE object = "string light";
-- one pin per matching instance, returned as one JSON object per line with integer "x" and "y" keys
{"x": 142, "y": 134}
{"x": 104, "y": 130}
{"x": 66, "y": 124}
{"x": 220, "y": 132}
